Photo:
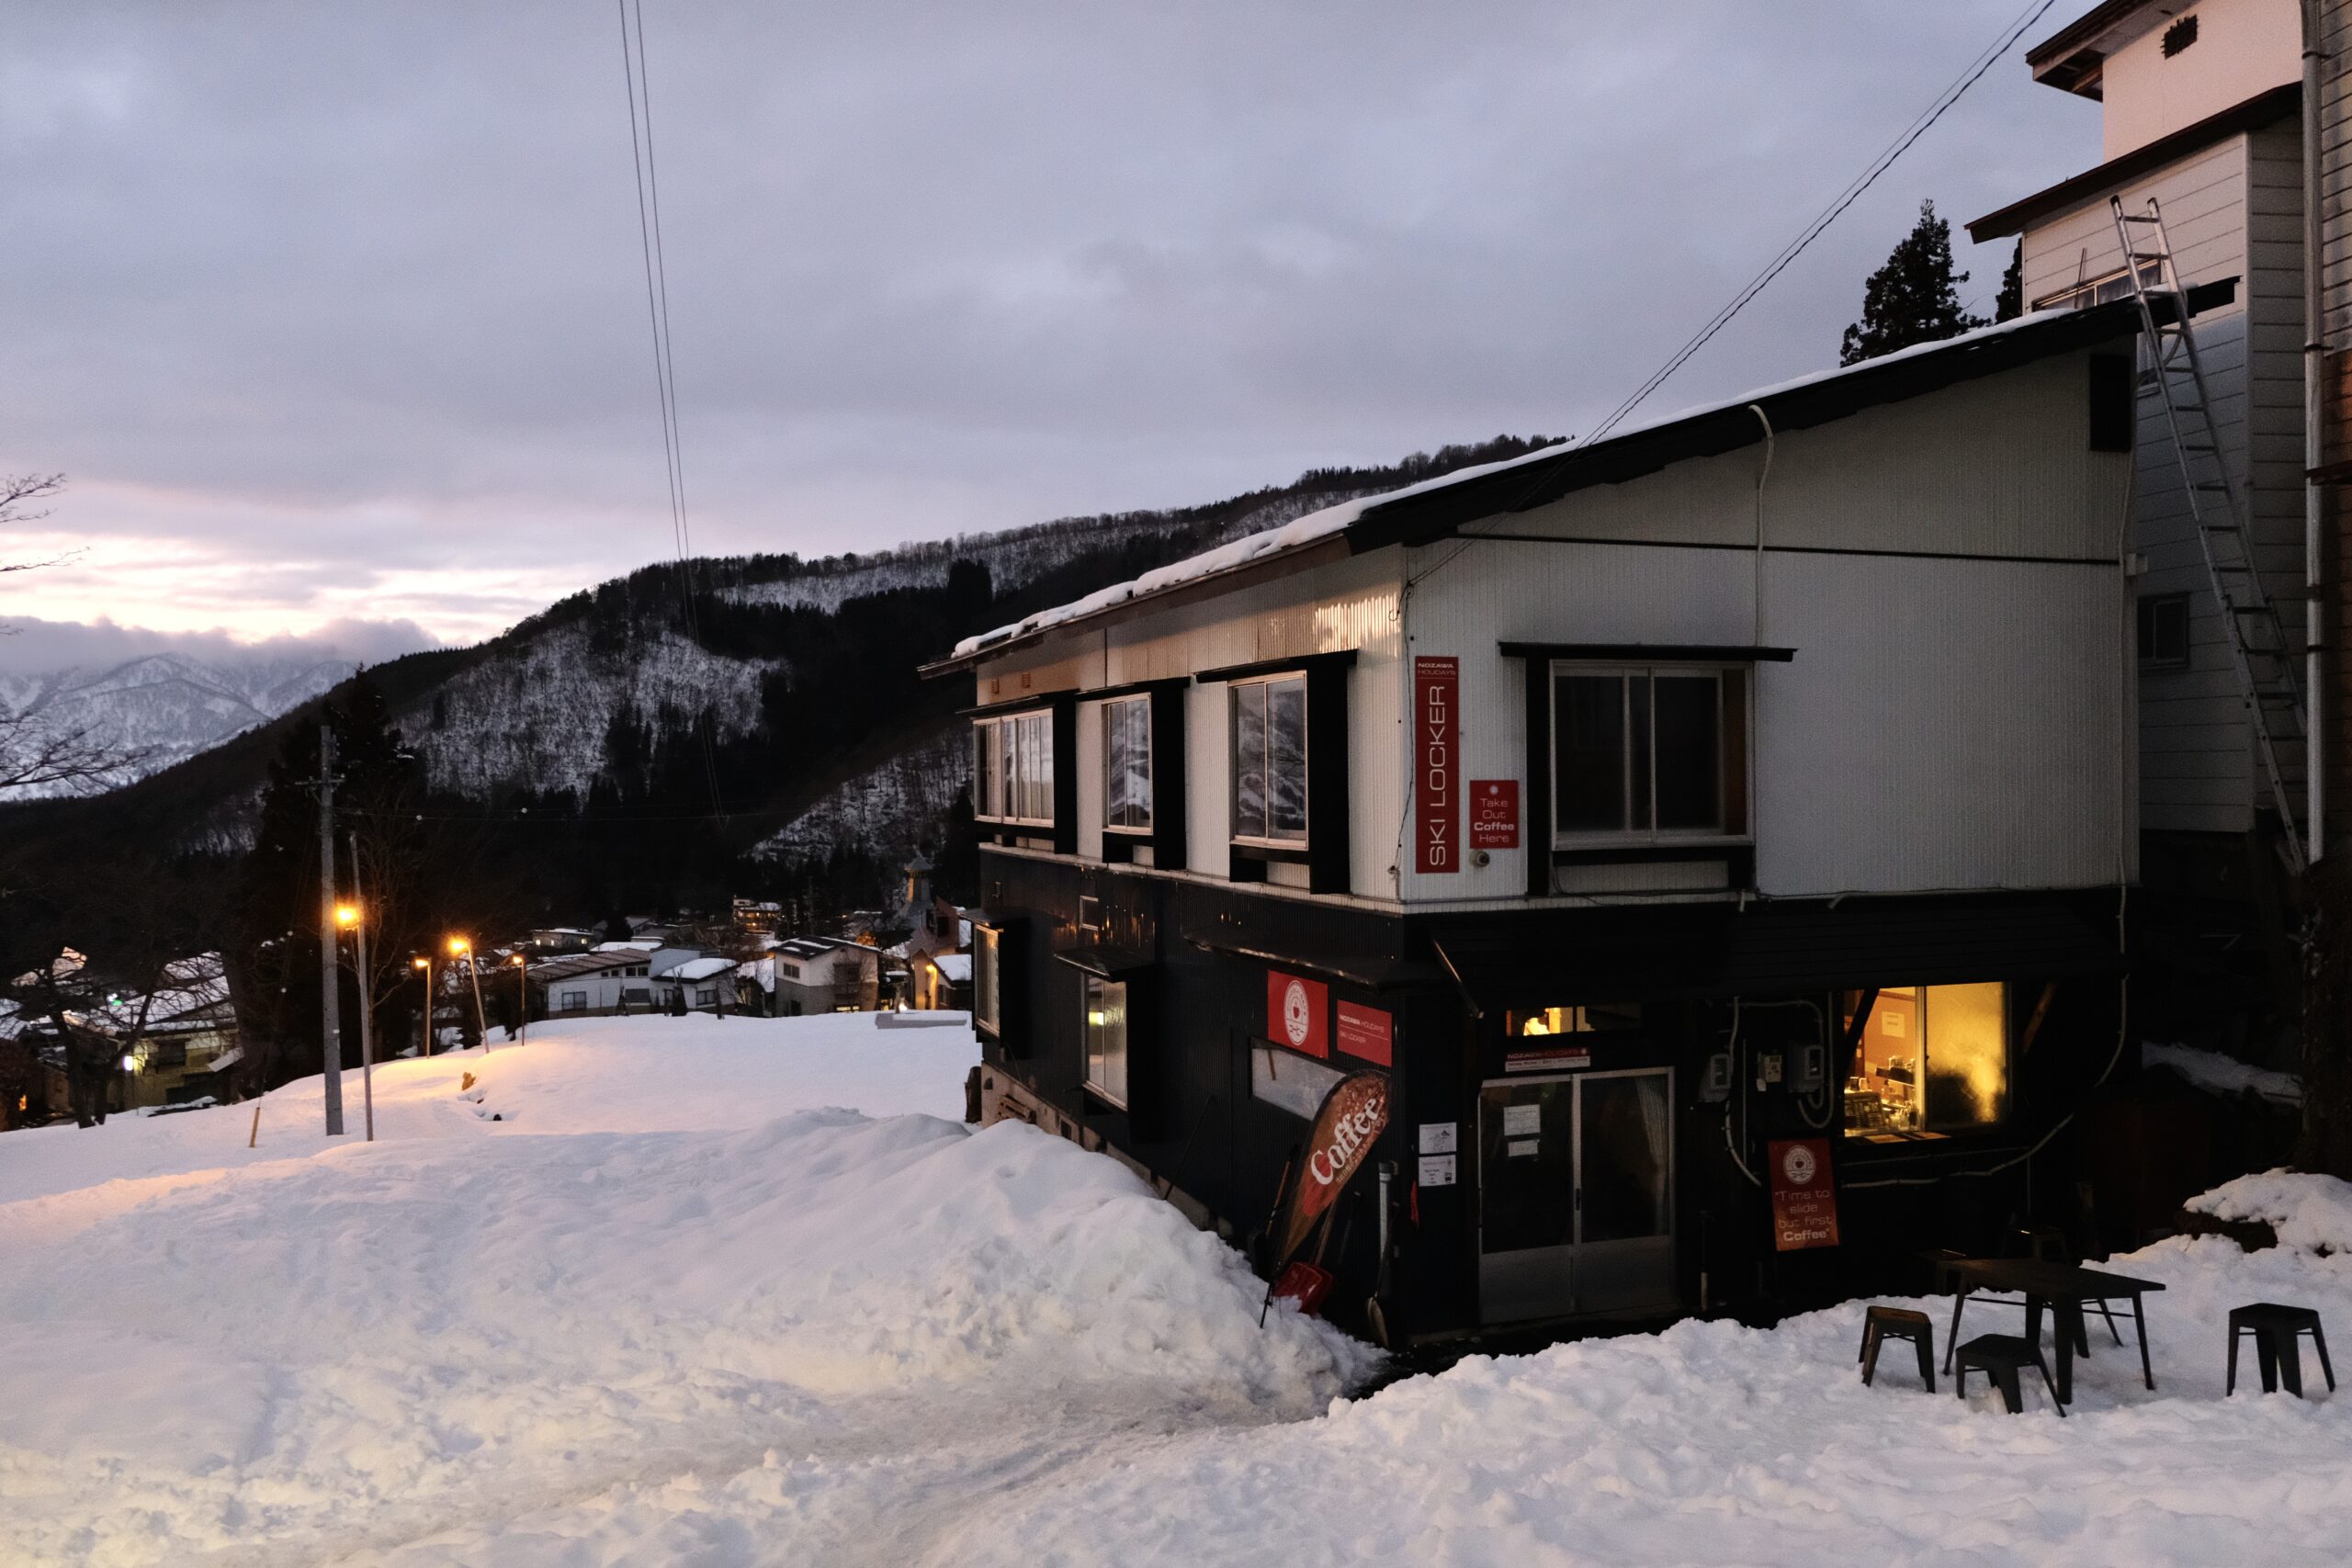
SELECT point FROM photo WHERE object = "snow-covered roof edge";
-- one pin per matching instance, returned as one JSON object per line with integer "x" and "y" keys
{"x": 1317, "y": 526}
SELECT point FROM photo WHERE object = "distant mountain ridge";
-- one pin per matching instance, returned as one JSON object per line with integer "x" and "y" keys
{"x": 162, "y": 708}
{"x": 736, "y": 723}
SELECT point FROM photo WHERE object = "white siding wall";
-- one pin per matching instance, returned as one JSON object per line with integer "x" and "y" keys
{"x": 1208, "y": 796}
{"x": 2243, "y": 48}
{"x": 1945, "y": 724}
{"x": 2233, "y": 211}
{"x": 1088, "y": 764}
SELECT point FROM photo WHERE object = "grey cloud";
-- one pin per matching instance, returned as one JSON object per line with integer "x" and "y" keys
{"x": 371, "y": 272}
{"x": 33, "y": 646}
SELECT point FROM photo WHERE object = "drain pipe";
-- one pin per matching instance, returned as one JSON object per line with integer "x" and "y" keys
{"x": 2315, "y": 757}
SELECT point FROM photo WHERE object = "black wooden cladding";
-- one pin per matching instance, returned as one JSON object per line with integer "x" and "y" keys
{"x": 1168, "y": 806}
{"x": 1327, "y": 775}
{"x": 1340, "y": 659}
{"x": 1066, "y": 776}
{"x": 1537, "y": 806}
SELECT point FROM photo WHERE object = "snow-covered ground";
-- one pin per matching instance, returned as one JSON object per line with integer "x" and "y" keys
{"x": 674, "y": 1308}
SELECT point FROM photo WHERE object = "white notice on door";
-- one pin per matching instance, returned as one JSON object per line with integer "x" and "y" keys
{"x": 1437, "y": 1170}
{"x": 1523, "y": 1121}
{"x": 1437, "y": 1138}
{"x": 1523, "y": 1148}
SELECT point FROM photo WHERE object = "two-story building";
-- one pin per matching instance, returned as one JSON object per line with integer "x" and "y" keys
{"x": 1761, "y": 774}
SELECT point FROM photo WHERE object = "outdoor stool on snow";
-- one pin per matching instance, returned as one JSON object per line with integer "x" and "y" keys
{"x": 2276, "y": 1330}
{"x": 1881, "y": 1324}
{"x": 2000, "y": 1357}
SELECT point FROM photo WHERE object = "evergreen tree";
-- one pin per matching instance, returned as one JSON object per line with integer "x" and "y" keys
{"x": 2010, "y": 303}
{"x": 1914, "y": 299}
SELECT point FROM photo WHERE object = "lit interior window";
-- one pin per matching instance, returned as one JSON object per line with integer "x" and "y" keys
{"x": 1932, "y": 1059}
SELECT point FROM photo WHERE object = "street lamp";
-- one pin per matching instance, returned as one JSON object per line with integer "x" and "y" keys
{"x": 461, "y": 948}
{"x": 523, "y": 996}
{"x": 426, "y": 963}
{"x": 347, "y": 916}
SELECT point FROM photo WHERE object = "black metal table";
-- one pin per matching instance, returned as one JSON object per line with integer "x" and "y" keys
{"x": 2060, "y": 1288}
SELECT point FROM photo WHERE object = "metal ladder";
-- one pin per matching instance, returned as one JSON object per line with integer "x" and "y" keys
{"x": 2259, "y": 651}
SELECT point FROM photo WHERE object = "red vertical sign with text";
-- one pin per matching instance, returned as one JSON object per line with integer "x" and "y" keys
{"x": 1437, "y": 765}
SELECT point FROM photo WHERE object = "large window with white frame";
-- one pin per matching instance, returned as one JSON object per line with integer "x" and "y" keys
{"x": 1270, "y": 761}
{"x": 1127, "y": 765}
{"x": 1012, "y": 768}
{"x": 988, "y": 980}
{"x": 1106, "y": 1039}
{"x": 1648, "y": 753}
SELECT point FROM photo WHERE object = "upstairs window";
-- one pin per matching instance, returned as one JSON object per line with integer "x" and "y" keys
{"x": 1270, "y": 761}
{"x": 1012, "y": 768}
{"x": 1649, "y": 754}
{"x": 2164, "y": 631}
{"x": 1127, "y": 765}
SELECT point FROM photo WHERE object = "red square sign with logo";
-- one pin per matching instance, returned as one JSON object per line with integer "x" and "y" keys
{"x": 1494, "y": 814}
{"x": 1367, "y": 1033}
{"x": 1294, "y": 1013}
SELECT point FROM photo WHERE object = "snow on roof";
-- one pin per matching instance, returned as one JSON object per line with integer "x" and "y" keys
{"x": 698, "y": 969}
{"x": 957, "y": 966}
{"x": 634, "y": 944}
{"x": 1333, "y": 520}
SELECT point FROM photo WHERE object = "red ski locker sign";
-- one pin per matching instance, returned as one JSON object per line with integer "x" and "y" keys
{"x": 1437, "y": 764}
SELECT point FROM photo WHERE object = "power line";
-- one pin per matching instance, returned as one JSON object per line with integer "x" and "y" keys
{"x": 1788, "y": 253}
{"x": 637, "y": 78}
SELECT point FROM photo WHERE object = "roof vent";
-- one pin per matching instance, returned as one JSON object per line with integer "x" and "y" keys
{"x": 2179, "y": 35}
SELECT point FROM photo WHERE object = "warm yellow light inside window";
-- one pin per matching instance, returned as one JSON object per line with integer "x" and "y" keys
{"x": 1932, "y": 1058}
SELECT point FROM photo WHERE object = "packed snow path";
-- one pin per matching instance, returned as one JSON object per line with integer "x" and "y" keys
{"x": 670, "y": 1309}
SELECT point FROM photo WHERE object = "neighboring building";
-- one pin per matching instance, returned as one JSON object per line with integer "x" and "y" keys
{"x": 941, "y": 932}
{"x": 759, "y": 917}
{"x": 814, "y": 975}
{"x": 615, "y": 978}
{"x": 707, "y": 984}
{"x": 172, "y": 1043}
{"x": 562, "y": 938}
{"x": 1762, "y": 773}
{"x": 2201, "y": 110}
{"x": 941, "y": 982}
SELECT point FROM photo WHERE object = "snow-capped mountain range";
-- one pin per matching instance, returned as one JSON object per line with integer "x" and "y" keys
{"x": 160, "y": 708}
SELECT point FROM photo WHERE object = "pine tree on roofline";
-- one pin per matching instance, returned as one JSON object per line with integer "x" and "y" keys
{"x": 1914, "y": 299}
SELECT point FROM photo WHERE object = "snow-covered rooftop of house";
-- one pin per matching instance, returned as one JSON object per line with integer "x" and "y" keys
{"x": 1318, "y": 525}
{"x": 957, "y": 966}
{"x": 698, "y": 969}
{"x": 634, "y": 944}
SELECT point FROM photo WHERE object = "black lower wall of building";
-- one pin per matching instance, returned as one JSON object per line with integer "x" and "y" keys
{"x": 1198, "y": 956}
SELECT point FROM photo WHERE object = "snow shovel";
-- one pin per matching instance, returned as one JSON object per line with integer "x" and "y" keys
{"x": 1309, "y": 1285}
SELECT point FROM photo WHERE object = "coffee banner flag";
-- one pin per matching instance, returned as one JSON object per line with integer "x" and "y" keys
{"x": 1351, "y": 1122}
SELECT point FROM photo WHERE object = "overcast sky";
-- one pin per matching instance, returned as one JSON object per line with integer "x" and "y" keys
{"x": 336, "y": 315}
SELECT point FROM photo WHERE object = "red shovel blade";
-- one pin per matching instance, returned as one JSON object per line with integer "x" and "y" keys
{"x": 1305, "y": 1286}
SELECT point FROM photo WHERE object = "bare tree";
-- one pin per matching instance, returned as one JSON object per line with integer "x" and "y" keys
{"x": 36, "y": 753}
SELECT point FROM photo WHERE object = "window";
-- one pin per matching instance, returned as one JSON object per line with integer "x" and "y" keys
{"x": 1590, "y": 1019}
{"x": 987, "y": 993}
{"x": 1649, "y": 754}
{"x": 1106, "y": 1039}
{"x": 1932, "y": 1059}
{"x": 1270, "y": 761}
{"x": 1012, "y": 768}
{"x": 705, "y": 996}
{"x": 2164, "y": 631}
{"x": 1297, "y": 1083}
{"x": 2104, "y": 289}
{"x": 1127, "y": 765}
{"x": 636, "y": 994}
{"x": 573, "y": 1001}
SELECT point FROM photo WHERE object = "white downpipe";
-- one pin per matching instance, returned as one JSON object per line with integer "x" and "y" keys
{"x": 2315, "y": 757}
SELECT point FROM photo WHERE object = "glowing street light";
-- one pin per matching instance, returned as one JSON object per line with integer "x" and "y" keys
{"x": 348, "y": 917}
{"x": 523, "y": 996}
{"x": 461, "y": 948}
{"x": 425, "y": 964}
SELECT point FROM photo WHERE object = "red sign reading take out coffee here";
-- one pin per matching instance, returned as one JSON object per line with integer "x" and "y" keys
{"x": 1437, "y": 771}
{"x": 1494, "y": 814}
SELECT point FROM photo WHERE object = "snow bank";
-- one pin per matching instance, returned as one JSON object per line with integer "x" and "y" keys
{"x": 643, "y": 1271}
{"x": 2314, "y": 1212}
{"x": 2217, "y": 1074}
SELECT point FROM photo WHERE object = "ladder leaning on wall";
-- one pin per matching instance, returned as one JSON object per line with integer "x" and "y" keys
{"x": 2259, "y": 652}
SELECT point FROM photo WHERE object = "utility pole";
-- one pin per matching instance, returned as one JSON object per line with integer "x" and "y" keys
{"x": 426, "y": 963}
{"x": 367, "y": 996}
{"x": 522, "y": 994}
{"x": 330, "y": 1030}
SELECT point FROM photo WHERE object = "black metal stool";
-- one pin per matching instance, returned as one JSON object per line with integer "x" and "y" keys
{"x": 2276, "y": 1330}
{"x": 1882, "y": 1323}
{"x": 2000, "y": 1357}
